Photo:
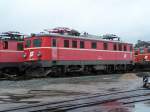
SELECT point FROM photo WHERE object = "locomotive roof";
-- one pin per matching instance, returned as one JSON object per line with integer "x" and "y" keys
{"x": 11, "y": 35}
{"x": 86, "y": 37}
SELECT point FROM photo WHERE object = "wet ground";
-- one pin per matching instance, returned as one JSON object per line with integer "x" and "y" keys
{"x": 35, "y": 91}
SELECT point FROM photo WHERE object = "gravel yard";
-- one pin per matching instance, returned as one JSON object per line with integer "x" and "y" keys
{"x": 26, "y": 92}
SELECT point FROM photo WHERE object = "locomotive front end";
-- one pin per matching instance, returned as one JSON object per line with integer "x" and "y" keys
{"x": 37, "y": 54}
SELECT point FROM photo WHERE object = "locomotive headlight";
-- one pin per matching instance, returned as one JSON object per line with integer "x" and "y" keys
{"x": 24, "y": 55}
{"x": 39, "y": 54}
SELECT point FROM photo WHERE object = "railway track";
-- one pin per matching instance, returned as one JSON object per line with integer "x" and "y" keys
{"x": 125, "y": 97}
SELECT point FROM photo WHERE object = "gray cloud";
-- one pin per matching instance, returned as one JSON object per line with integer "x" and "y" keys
{"x": 126, "y": 18}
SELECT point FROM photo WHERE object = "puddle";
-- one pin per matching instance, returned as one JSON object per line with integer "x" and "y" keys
{"x": 114, "y": 107}
{"x": 119, "y": 107}
{"x": 142, "y": 107}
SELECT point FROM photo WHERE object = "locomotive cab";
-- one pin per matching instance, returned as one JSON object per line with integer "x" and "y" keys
{"x": 38, "y": 55}
{"x": 34, "y": 47}
{"x": 11, "y": 50}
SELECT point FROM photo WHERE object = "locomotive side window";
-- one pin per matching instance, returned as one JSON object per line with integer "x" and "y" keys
{"x": 28, "y": 43}
{"x": 81, "y": 44}
{"x": 37, "y": 42}
{"x": 66, "y": 43}
{"x": 20, "y": 46}
{"x": 120, "y": 47}
{"x": 74, "y": 44}
{"x": 93, "y": 45}
{"x": 54, "y": 43}
{"x": 105, "y": 45}
{"x": 125, "y": 48}
{"x": 115, "y": 46}
{"x": 5, "y": 45}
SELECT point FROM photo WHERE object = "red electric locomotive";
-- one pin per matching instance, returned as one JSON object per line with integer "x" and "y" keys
{"x": 142, "y": 55}
{"x": 11, "y": 51}
{"x": 64, "y": 50}
{"x": 142, "y": 58}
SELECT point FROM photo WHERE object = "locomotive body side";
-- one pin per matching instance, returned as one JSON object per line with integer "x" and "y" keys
{"x": 72, "y": 53}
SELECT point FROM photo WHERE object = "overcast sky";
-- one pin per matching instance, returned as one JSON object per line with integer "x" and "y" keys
{"x": 129, "y": 19}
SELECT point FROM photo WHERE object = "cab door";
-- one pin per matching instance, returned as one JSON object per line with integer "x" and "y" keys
{"x": 54, "y": 49}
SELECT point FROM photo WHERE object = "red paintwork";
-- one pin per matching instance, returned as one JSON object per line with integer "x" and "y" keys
{"x": 73, "y": 54}
{"x": 140, "y": 57}
{"x": 10, "y": 55}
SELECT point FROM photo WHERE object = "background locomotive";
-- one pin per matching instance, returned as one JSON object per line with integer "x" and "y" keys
{"x": 142, "y": 55}
{"x": 64, "y": 50}
{"x": 11, "y": 51}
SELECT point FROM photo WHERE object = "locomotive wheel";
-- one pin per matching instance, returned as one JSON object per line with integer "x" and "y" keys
{"x": 11, "y": 71}
{"x": 87, "y": 70}
{"x": 57, "y": 71}
{"x": 130, "y": 68}
{"x": 109, "y": 69}
{"x": 37, "y": 72}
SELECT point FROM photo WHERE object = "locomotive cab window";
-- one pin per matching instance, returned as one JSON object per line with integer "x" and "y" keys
{"x": 20, "y": 46}
{"x": 93, "y": 45}
{"x": 28, "y": 43}
{"x": 5, "y": 45}
{"x": 120, "y": 47}
{"x": 125, "y": 48}
{"x": 54, "y": 43}
{"x": 37, "y": 42}
{"x": 105, "y": 45}
{"x": 74, "y": 44}
{"x": 66, "y": 43}
{"x": 81, "y": 44}
{"x": 115, "y": 46}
